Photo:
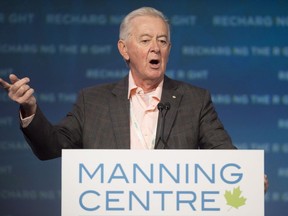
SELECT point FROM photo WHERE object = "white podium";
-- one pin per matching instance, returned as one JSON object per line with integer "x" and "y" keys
{"x": 162, "y": 182}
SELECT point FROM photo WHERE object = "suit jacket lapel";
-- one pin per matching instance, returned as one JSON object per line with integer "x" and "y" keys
{"x": 172, "y": 94}
{"x": 120, "y": 114}
{"x": 120, "y": 110}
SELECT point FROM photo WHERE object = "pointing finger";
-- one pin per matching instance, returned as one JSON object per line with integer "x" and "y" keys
{"x": 4, "y": 84}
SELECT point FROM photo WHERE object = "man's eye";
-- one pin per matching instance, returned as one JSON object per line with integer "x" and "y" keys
{"x": 145, "y": 41}
{"x": 163, "y": 42}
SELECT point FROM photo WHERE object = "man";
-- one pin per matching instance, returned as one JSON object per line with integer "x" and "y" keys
{"x": 125, "y": 114}
{"x": 101, "y": 115}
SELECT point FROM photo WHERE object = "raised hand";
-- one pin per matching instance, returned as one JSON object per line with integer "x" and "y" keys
{"x": 20, "y": 92}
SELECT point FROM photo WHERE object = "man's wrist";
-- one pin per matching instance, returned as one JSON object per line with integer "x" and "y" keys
{"x": 28, "y": 110}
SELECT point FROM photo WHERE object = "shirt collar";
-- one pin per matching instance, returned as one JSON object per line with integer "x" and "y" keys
{"x": 132, "y": 87}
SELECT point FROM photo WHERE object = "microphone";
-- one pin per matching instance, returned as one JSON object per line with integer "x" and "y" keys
{"x": 163, "y": 109}
{"x": 167, "y": 107}
{"x": 160, "y": 107}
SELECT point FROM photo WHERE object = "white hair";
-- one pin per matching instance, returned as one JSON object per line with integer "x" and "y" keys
{"x": 125, "y": 27}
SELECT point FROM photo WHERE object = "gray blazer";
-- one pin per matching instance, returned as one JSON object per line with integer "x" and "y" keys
{"x": 100, "y": 120}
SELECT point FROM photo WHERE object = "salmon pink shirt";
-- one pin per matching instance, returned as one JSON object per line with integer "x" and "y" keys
{"x": 143, "y": 115}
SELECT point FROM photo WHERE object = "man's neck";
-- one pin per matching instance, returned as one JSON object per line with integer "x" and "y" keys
{"x": 148, "y": 85}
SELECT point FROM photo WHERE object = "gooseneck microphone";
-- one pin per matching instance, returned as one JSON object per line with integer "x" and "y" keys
{"x": 163, "y": 109}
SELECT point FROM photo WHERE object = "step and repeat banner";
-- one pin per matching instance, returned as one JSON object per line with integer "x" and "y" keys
{"x": 238, "y": 50}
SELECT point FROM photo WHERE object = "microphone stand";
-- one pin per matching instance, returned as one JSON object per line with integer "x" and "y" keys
{"x": 161, "y": 138}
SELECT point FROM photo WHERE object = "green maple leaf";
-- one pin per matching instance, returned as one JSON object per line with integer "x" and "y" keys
{"x": 233, "y": 198}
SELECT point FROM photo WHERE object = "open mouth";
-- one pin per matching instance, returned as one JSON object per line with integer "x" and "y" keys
{"x": 154, "y": 62}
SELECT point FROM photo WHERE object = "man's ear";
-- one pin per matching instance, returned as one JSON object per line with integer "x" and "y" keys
{"x": 123, "y": 49}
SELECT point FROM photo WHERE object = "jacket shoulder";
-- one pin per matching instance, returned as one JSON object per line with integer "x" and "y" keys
{"x": 187, "y": 88}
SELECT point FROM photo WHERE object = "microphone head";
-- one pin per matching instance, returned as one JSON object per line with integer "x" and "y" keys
{"x": 160, "y": 106}
{"x": 167, "y": 106}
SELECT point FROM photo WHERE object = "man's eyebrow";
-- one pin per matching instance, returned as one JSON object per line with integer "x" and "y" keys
{"x": 159, "y": 36}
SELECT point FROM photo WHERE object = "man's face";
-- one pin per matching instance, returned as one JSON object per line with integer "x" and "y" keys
{"x": 147, "y": 49}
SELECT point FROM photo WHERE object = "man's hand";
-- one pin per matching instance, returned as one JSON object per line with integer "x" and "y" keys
{"x": 266, "y": 183}
{"x": 20, "y": 92}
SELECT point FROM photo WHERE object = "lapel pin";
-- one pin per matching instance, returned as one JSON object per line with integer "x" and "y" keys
{"x": 173, "y": 96}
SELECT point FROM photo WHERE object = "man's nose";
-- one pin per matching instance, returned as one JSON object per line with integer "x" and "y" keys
{"x": 155, "y": 46}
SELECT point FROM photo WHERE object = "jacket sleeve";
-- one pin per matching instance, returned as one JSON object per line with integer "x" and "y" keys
{"x": 47, "y": 140}
{"x": 212, "y": 134}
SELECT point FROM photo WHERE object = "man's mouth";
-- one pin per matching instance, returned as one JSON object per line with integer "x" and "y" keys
{"x": 154, "y": 63}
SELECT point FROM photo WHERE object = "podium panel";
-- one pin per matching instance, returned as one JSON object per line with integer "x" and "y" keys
{"x": 162, "y": 182}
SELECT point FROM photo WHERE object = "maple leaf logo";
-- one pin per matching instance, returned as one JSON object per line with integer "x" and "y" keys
{"x": 233, "y": 198}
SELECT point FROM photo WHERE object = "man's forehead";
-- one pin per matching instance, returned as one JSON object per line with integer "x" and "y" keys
{"x": 141, "y": 23}
{"x": 143, "y": 20}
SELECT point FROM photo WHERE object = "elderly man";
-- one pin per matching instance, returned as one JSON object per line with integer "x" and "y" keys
{"x": 124, "y": 115}
{"x": 145, "y": 110}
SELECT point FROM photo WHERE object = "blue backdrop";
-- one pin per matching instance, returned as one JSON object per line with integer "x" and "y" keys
{"x": 236, "y": 49}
